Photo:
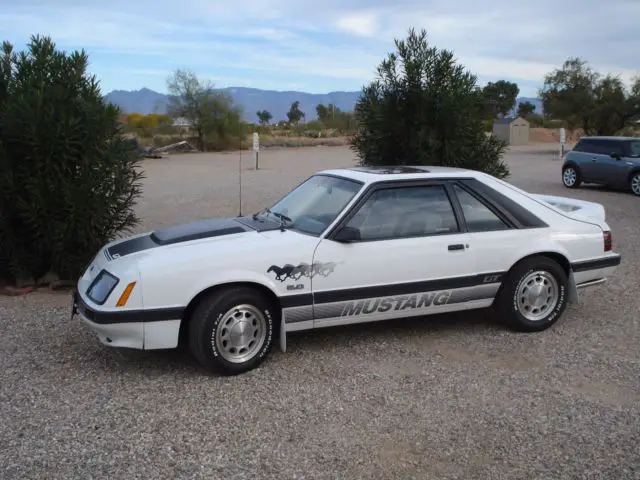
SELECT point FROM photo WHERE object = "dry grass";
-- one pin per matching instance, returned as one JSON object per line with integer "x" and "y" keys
{"x": 291, "y": 141}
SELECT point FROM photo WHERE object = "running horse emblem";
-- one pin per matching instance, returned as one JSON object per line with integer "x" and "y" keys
{"x": 296, "y": 272}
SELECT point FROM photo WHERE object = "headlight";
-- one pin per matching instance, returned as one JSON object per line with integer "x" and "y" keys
{"x": 101, "y": 287}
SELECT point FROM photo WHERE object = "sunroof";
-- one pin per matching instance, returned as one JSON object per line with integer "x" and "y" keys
{"x": 390, "y": 170}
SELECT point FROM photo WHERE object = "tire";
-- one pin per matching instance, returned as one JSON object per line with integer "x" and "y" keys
{"x": 634, "y": 183}
{"x": 571, "y": 177}
{"x": 212, "y": 344}
{"x": 512, "y": 300}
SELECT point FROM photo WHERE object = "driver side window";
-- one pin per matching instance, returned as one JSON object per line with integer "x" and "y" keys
{"x": 403, "y": 212}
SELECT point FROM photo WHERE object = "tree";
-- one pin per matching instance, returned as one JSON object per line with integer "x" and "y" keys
{"x": 295, "y": 114}
{"x": 424, "y": 109}
{"x": 264, "y": 117}
{"x": 525, "y": 109}
{"x": 68, "y": 180}
{"x": 582, "y": 97}
{"x": 212, "y": 114}
{"x": 500, "y": 97}
{"x": 327, "y": 113}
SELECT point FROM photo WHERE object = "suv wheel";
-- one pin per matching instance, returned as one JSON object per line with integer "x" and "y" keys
{"x": 634, "y": 183}
{"x": 571, "y": 177}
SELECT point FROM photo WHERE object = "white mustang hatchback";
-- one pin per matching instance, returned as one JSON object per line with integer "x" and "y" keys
{"x": 347, "y": 245}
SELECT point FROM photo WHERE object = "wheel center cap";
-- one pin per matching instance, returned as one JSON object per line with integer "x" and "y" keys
{"x": 535, "y": 294}
{"x": 241, "y": 333}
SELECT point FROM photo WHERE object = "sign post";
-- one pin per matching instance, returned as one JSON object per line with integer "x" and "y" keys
{"x": 256, "y": 146}
{"x": 562, "y": 142}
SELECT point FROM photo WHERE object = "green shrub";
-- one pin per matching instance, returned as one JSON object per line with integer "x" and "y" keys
{"x": 423, "y": 108}
{"x": 68, "y": 178}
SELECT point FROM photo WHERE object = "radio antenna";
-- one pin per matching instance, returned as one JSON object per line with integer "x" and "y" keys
{"x": 240, "y": 182}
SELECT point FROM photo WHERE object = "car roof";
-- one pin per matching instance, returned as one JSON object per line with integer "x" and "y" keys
{"x": 399, "y": 172}
{"x": 616, "y": 139}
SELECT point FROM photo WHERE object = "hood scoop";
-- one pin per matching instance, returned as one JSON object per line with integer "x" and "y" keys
{"x": 197, "y": 230}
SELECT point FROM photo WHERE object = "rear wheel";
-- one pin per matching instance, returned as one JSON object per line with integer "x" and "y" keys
{"x": 634, "y": 183}
{"x": 533, "y": 297}
{"x": 231, "y": 331}
{"x": 571, "y": 177}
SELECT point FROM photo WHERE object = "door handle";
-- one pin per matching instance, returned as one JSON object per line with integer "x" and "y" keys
{"x": 457, "y": 246}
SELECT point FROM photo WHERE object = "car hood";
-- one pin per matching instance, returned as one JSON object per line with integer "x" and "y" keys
{"x": 184, "y": 233}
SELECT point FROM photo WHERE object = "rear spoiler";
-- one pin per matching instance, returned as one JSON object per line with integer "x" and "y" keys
{"x": 579, "y": 209}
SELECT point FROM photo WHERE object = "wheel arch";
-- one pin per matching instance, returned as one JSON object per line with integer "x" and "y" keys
{"x": 193, "y": 303}
{"x": 554, "y": 255}
{"x": 570, "y": 163}
{"x": 558, "y": 257}
{"x": 634, "y": 171}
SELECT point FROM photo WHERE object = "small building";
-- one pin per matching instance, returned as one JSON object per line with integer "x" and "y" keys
{"x": 513, "y": 130}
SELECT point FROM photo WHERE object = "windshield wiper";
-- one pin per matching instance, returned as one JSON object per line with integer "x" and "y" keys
{"x": 284, "y": 220}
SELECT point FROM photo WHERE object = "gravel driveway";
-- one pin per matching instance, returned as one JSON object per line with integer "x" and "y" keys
{"x": 449, "y": 397}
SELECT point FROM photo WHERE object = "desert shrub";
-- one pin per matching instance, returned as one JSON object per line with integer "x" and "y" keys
{"x": 68, "y": 177}
{"x": 540, "y": 121}
{"x": 423, "y": 108}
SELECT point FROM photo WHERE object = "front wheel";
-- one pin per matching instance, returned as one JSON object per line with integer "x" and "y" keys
{"x": 231, "y": 331}
{"x": 571, "y": 177}
{"x": 634, "y": 183}
{"x": 534, "y": 295}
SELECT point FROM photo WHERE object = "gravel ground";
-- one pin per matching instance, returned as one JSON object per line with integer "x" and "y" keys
{"x": 449, "y": 397}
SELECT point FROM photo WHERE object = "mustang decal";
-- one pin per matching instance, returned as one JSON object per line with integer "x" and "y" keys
{"x": 296, "y": 272}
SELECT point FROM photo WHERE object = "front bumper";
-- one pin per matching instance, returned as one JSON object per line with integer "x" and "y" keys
{"x": 111, "y": 329}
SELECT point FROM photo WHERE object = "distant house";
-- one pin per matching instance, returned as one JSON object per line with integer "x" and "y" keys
{"x": 181, "y": 122}
{"x": 513, "y": 130}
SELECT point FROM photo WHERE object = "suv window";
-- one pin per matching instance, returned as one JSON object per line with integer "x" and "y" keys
{"x": 634, "y": 148}
{"x": 477, "y": 215}
{"x": 583, "y": 146}
{"x": 611, "y": 146}
{"x": 402, "y": 212}
{"x": 599, "y": 147}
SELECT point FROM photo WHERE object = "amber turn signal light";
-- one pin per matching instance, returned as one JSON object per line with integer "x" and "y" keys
{"x": 125, "y": 295}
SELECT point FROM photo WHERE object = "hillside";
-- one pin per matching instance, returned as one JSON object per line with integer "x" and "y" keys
{"x": 252, "y": 99}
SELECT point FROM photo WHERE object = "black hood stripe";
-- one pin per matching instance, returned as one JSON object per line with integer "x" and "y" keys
{"x": 199, "y": 230}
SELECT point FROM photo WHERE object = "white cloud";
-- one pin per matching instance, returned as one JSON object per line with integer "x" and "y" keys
{"x": 364, "y": 24}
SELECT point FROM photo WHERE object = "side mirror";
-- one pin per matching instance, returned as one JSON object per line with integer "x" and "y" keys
{"x": 347, "y": 235}
{"x": 615, "y": 155}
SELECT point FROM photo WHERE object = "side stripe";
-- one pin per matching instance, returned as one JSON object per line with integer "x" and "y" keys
{"x": 391, "y": 298}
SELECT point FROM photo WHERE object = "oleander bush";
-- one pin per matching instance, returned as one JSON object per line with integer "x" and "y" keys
{"x": 68, "y": 178}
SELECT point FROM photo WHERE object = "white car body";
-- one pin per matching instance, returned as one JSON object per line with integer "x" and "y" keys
{"x": 352, "y": 282}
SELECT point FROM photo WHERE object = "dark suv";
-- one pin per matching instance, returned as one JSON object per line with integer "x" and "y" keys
{"x": 610, "y": 161}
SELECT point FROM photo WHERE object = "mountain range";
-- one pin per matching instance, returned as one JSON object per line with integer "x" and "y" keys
{"x": 251, "y": 100}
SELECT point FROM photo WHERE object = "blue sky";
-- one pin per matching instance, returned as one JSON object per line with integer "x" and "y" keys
{"x": 326, "y": 46}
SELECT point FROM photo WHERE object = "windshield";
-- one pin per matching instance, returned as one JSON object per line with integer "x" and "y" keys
{"x": 314, "y": 205}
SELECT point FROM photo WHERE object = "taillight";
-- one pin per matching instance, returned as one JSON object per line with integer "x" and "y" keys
{"x": 608, "y": 241}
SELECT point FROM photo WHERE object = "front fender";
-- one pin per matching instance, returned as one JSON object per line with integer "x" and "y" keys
{"x": 229, "y": 276}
